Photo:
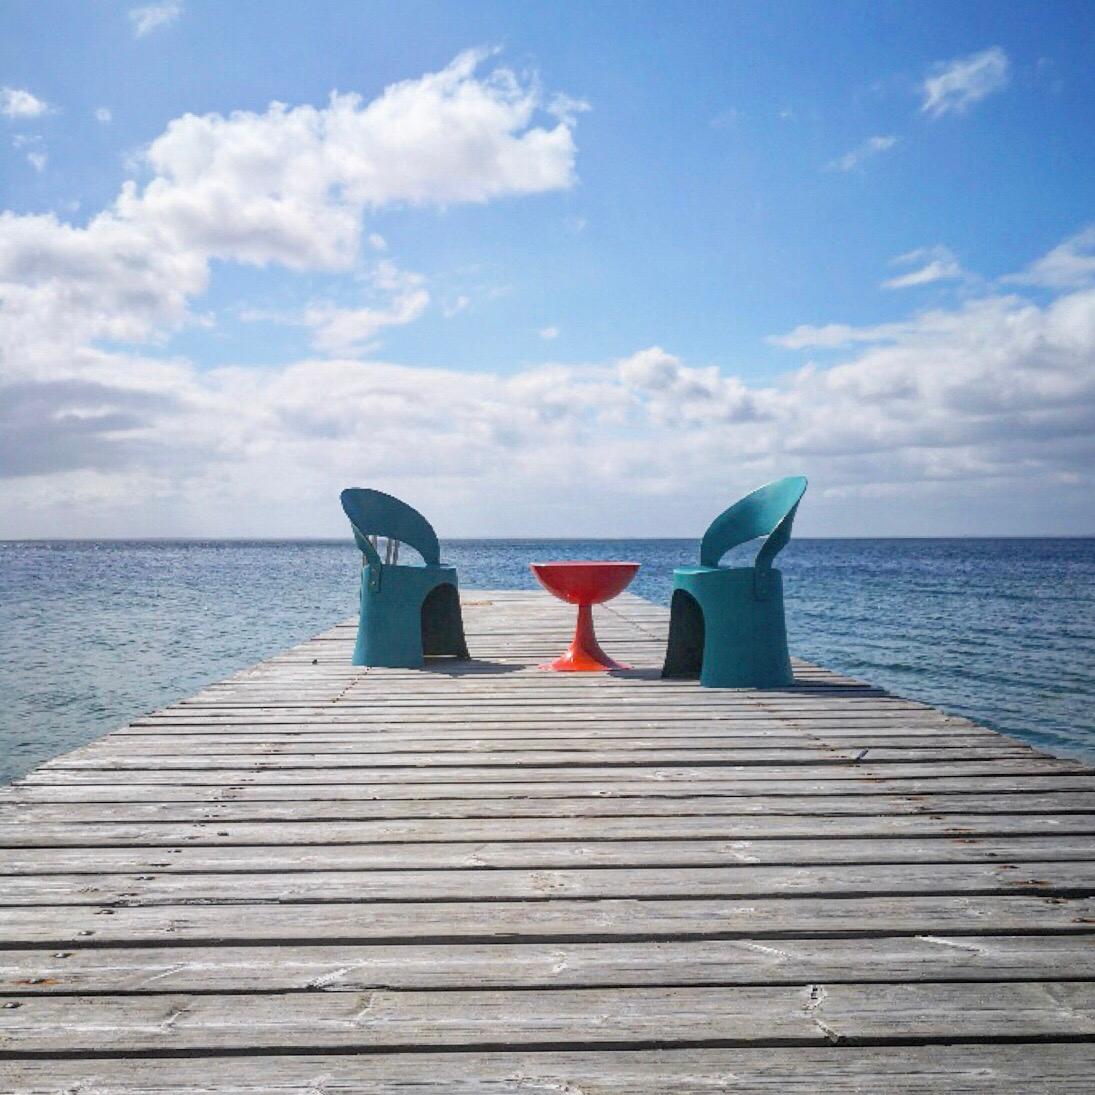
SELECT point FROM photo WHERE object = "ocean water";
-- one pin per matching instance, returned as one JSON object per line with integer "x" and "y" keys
{"x": 94, "y": 633}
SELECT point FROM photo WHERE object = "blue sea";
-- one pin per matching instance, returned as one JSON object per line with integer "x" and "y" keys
{"x": 95, "y": 633}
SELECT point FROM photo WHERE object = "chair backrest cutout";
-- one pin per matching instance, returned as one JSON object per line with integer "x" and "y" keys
{"x": 374, "y": 513}
{"x": 768, "y": 511}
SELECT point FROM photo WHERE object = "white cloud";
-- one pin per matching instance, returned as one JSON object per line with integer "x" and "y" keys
{"x": 455, "y": 307}
{"x": 291, "y": 185}
{"x": 833, "y": 336}
{"x": 994, "y": 398}
{"x": 549, "y": 333}
{"x": 288, "y": 186}
{"x": 931, "y": 264}
{"x": 377, "y": 242}
{"x": 1069, "y": 265}
{"x": 870, "y": 147}
{"x": 19, "y": 103}
{"x": 104, "y": 115}
{"x": 397, "y": 298}
{"x": 343, "y": 330}
{"x": 996, "y": 393}
{"x": 954, "y": 86}
{"x": 146, "y": 19}
{"x": 37, "y": 160}
{"x": 991, "y": 399}
{"x": 566, "y": 108}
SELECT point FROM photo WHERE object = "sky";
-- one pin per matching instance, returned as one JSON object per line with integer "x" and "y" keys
{"x": 545, "y": 269}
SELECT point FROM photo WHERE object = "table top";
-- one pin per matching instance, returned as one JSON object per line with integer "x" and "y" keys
{"x": 587, "y": 583}
{"x": 586, "y": 563}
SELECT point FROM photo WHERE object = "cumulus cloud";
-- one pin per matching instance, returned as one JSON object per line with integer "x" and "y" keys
{"x": 1069, "y": 265}
{"x": 146, "y": 19}
{"x": 100, "y": 427}
{"x": 930, "y": 264}
{"x": 17, "y": 102}
{"x": 549, "y": 333}
{"x": 990, "y": 395}
{"x": 291, "y": 186}
{"x": 671, "y": 393}
{"x": 104, "y": 115}
{"x": 870, "y": 147}
{"x": 954, "y": 86}
{"x": 997, "y": 393}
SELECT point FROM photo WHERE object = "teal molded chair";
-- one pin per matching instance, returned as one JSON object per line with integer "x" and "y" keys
{"x": 407, "y": 612}
{"x": 726, "y": 624}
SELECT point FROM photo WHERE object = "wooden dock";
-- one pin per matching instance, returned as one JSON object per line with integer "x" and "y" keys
{"x": 482, "y": 878}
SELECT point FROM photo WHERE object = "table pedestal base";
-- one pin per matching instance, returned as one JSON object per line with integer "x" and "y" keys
{"x": 584, "y": 655}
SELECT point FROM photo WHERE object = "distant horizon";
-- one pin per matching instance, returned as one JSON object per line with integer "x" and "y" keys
{"x": 479, "y": 539}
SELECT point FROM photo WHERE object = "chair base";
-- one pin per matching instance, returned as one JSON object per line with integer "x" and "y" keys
{"x": 584, "y": 655}
{"x": 722, "y": 632}
{"x": 414, "y": 613}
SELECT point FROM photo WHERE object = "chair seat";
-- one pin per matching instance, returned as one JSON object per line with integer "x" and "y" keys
{"x": 702, "y": 571}
{"x": 430, "y": 570}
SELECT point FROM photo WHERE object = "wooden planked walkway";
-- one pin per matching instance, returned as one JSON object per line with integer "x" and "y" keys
{"x": 483, "y": 878}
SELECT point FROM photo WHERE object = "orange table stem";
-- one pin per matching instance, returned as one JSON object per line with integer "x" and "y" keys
{"x": 584, "y": 655}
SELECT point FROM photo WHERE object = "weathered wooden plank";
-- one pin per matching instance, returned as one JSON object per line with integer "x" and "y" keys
{"x": 31, "y": 813}
{"x": 847, "y": 786}
{"x": 845, "y": 1014}
{"x": 533, "y": 727}
{"x": 463, "y": 741}
{"x": 564, "y": 919}
{"x": 121, "y": 761}
{"x": 1054, "y": 877}
{"x": 562, "y": 854}
{"x": 547, "y": 965}
{"x": 412, "y": 830}
{"x": 1030, "y": 1068}
{"x": 385, "y": 705}
{"x": 838, "y": 768}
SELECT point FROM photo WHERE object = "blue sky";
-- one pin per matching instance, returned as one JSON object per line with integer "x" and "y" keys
{"x": 650, "y": 255}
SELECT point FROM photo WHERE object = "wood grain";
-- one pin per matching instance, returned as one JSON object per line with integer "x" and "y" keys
{"x": 480, "y": 877}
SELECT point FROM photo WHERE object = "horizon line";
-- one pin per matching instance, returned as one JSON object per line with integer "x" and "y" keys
{"x": 509, "y": 539}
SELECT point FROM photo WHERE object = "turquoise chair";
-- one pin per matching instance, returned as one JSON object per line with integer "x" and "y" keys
{"x": 407, "y": 612}
{"x": 726, "y": 624}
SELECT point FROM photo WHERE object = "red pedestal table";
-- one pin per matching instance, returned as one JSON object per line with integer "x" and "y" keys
{"x": 585, "y": 585}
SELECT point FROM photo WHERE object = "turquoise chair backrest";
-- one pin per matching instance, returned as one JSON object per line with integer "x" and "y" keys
{"x": 768, "y": 511}
{"x": 374, "y": 513}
